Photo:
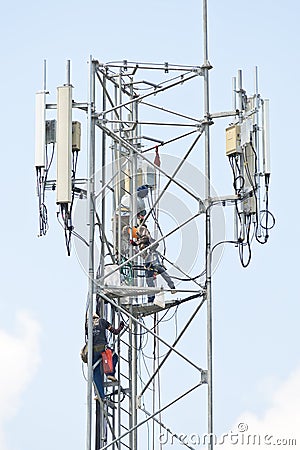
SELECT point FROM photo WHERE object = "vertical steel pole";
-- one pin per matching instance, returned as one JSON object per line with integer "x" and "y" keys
{"x": 91, "y": 268}
{"x": 206, "y": 68}
{"x": 103, "y": 181}
{"x": 100, "y": 422}
{"x": 119, "y": 163}
{"x": 134, "y": 385}
{"x": 132, "y": 325}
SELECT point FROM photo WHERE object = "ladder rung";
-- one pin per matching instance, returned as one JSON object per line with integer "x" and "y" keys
{"x": 110, "y": 383}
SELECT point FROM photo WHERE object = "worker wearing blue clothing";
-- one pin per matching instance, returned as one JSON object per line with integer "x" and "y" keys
{"x": 100, "y": 326}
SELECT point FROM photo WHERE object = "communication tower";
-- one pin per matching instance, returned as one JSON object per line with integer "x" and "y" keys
{"x": 138, "y": 139}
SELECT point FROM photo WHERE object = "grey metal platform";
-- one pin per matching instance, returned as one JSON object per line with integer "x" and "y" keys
{"x": 146, "y": 309}
{"x": 128, "y": 291}
{"x": 128, "y": 296}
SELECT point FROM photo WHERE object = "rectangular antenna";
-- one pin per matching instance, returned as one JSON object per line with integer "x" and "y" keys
{"x": 40, "y": 129}
{"x": 234, "y": 93}
{"x": 266, "y": 137}
{"x": 76, "y": 136}
{"x": 64, "y": 144}
{"x": 240, "y": 90}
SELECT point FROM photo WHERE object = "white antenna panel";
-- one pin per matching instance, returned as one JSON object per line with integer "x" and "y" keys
{"x": 246, "y": 128}
{"x": 40, "y": 129}
{"x": 266, "y": 138}
{"x": 64, "y": 144}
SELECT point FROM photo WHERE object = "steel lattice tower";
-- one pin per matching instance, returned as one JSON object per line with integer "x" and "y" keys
{"x": 133, "y": 122}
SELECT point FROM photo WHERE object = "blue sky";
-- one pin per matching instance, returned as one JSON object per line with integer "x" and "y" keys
{"x": 257, "y": 363}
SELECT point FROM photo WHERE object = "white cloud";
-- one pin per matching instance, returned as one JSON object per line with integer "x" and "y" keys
{"x": 277, "y": 427}
{"x": 19, "y": 352}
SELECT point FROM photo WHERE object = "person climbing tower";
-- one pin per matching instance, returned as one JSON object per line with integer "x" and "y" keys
{"x": 123, "y": 215}
{"x": 152, "y": 259}
{"x": 100, "y": 326}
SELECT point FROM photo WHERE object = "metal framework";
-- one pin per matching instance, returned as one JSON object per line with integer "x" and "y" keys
{"x": 120, "y": 121}
{"x": 136, "y": 136}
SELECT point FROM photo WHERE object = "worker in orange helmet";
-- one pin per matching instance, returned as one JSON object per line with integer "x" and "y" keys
{"x": 153, "y": 263}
